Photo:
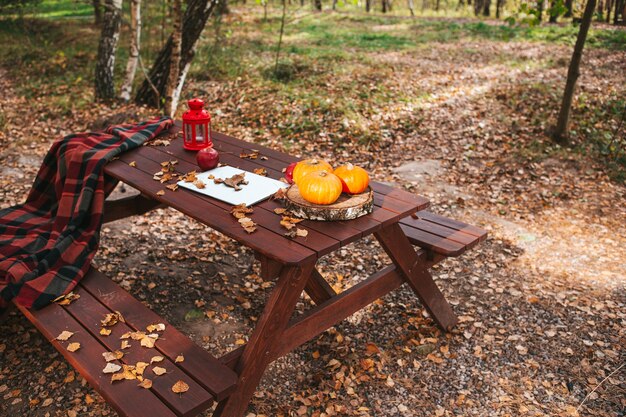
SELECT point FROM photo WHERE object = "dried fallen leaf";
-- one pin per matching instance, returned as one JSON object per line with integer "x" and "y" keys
{"x": 159, "y": 327}
{"x": 160, "y": 193}
{"x": 137, "y": 335}
{"x": 140, "y": 367}
{"x": 125, "y": 344}
{"x": 199, "y": 184}
{"x": 279, "y": 195}
{"x": 261, "y": 171}
{"x": 190, "y": 177}
{"x": 64, "y": 335}
{"x": 146, "y": 383}
{"x": 280, "y": 210}
{"x": 179, "y": 359}
{"x": 172, "y": 187}
{"x": 156, "y": 359}
{"x": 73, "y": 347}
{"x": 180, "y": 387}
{"x": 149, "y": 340}
{"x": 252, "y": 155}
{"x": 111, "y": 368}
{"x": 240, "y": 211}
{"x": 66, "y": 299}
{"x": 111, "y": 319}
{"x": 111, "y": 356}
{"x": 132, "y": 164}
{"x": 158, "y": 370}
{"x": 105, "y": 332}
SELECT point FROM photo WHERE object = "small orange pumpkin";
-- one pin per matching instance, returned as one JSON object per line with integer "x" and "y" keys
{"x": 310, "y": 165}
{"x": 320, "y": 187}
{"x": 354, "y": 180}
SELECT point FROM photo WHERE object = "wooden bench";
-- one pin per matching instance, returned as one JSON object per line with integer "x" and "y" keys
{"x": 208, "y": 379}
{"x": 441, "y": 235}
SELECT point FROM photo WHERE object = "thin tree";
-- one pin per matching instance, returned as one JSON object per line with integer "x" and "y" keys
{"x": 560, "y": 133}
{"x": 196, "y": 15}
{"x": 568, "y": 8}
{"x": 411, "y": 8}
{"x": 97, "y": 12}
{"x": 280, "y": 36}
{"x": 109, "y": 37}
{"x": 133, "y": 56}
{"x": 171, "y": 102}
{"x": 318, "y": 5}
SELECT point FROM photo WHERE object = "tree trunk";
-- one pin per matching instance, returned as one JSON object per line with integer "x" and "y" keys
{"x": 619, "y": 9}
{"x": 194, "y": 21}
{"x": 334, "y": 4}
{"x": 318, "y": 5}
{"x": 221, "y": 7}
{"x": 173, "y": 76}
{"x": 383, "y": 5}
{"x": 368, "y": 5}
{"x": 487, "y": 8}
{"x": 133, "y": 56}
{"x": 553, "y": 12}
{"x": 609, "y": 6}
{"x": 499, "y": 6}
{"x": 97, "y": 12}
{"x": 568, "y": 7}
{"x": 478, "y": 7}
{"x": 437, "y": 5}
{"x": 560, "y": 132}
{"x": 109, "y": 37}
{"x": 411, "y": 8}
{"x": 540, "y": 10}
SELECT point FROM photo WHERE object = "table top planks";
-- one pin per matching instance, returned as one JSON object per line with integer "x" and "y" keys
{"x": 390, "y": 204}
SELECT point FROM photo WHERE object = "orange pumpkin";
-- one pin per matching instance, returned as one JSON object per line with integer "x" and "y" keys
{"x": 320, "y": 187}
{"x": 310, "y": 165}
{"x": 354, "y": 180}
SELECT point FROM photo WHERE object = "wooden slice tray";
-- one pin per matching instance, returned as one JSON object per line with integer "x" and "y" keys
{"x": 347, "y": 207}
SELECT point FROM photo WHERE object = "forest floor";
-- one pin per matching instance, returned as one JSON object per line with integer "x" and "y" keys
{"x": 451, "y": 110}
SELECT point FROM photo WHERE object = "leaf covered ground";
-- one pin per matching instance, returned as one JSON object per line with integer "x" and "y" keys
{"x": 542, "y": 303}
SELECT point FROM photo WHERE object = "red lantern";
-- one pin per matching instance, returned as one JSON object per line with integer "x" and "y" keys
{"x": 196, "y": 126}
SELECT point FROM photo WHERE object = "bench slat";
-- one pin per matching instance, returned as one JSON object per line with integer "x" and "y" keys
{"x": 432, "y": 242}
{"x": 89, "y": 311}
{"x": 200, "y": 364}
{"x": 139, "y": 402}
{"x": 453, "y": 224}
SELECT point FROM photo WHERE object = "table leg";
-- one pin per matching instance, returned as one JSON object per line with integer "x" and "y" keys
{"x": 265, "y": 339}
{"x": 401, "y": 252}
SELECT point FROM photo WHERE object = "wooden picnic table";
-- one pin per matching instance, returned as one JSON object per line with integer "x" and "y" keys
{"x": 292, "y": 261}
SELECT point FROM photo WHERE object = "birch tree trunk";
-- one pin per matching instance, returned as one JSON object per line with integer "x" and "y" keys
{"x": 172, "y": 80}
{"x": 411, "y": 8}
{"x": 560, "y": 132}
{"x": 195, "y": 18}
{"x": 109, "y": 37}
{"x": 133, "y": 56}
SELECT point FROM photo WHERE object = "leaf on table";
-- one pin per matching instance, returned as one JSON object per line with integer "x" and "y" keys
{"x": 64, "y": 335}
{"x": 66, "y": 299}
{"x": 146, "y": 383}
{"x": 111, "y": 368}
{"x": 132, "y": 164}
{"x": 156, "y": 359}
{"x": 158, "y": 142}
{"x": 191, "y": 176}
{"x": 73, "y": 347}
{"x": 158, "y": 370}
{"x": 179, "y": 359}
{"x": 157, "y": 176}
{"x": 280, "y": 210}
{"x": 279, "y": 195}
{"x": 234, "y": 182}
{"x": 149, "y": 340}
{"x": 172, "y": 187}
{"x": 159, "y": 327}
{"x": 199, "y": 184}
{"x": 128, "y": 372}
{"x": 289, "y": 222}
{"x": 138, "y": 335}
{"x": 160, "y": 193}
{"x": 261, "y": 171}
{"x": 247, "y": 224}
{"x": 252, "y": 155}
{"x": 180, "y": 387}
{"x": 125, "y": 344}
{"x": 105, "y": 331}
{"x": 111, "y": 356}
{"x": 140, "y": 367}
{"x": 111, "y": 319}
{"x": 240, "y": 211}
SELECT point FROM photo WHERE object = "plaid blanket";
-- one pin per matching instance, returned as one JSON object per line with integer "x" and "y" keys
{"x": 47, "y": 243}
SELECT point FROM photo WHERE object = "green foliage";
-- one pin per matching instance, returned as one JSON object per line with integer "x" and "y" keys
{"x": 7, "y": 6}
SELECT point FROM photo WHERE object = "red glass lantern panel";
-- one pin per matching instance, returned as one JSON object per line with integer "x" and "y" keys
{"x": 196, "y": 126}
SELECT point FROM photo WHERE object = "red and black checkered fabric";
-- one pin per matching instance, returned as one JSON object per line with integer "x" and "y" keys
{"x": 47, "y": 243}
